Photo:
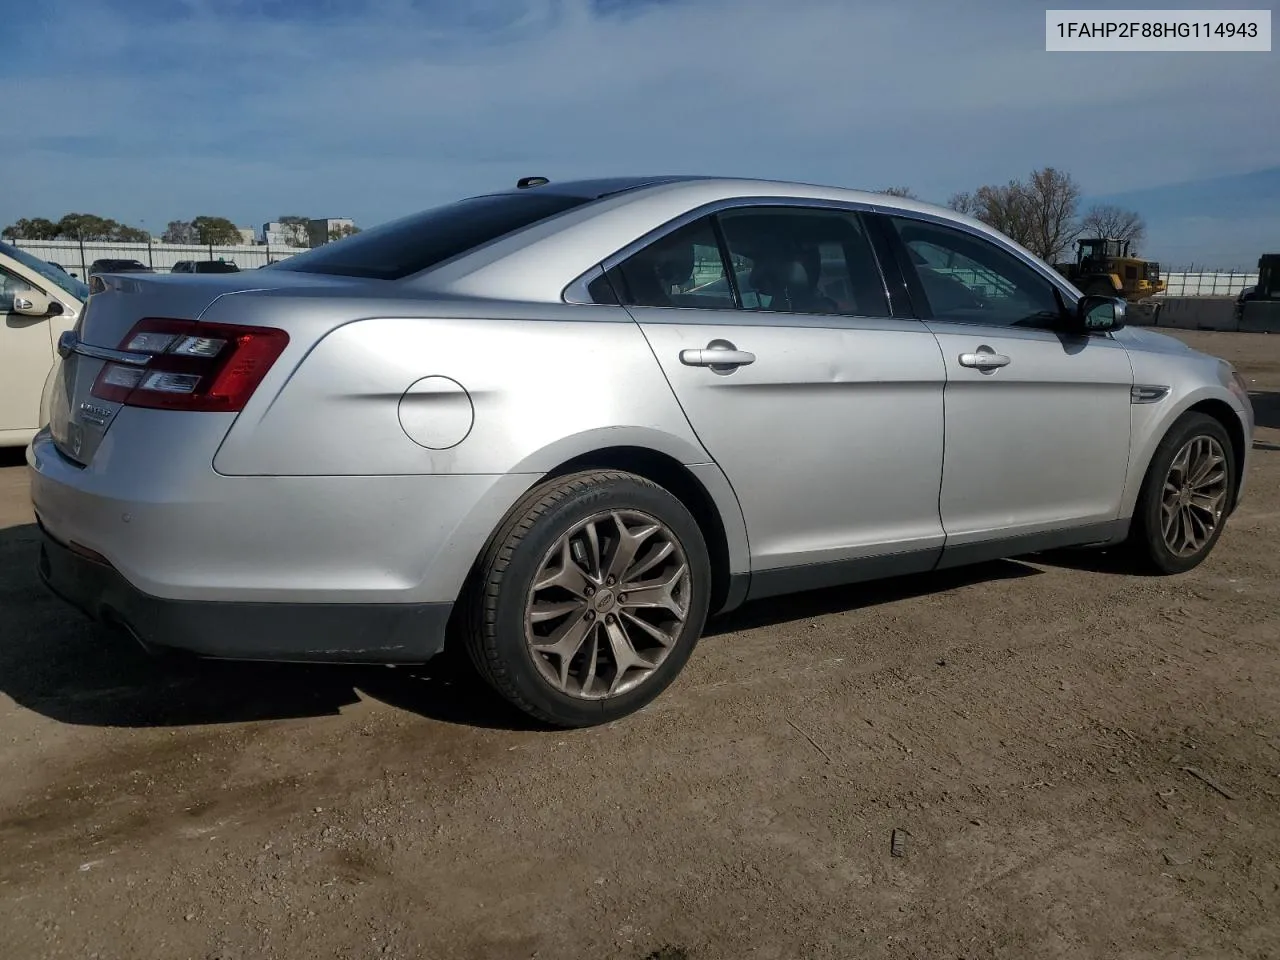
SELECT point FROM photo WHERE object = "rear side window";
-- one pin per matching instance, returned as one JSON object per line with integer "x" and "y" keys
{"x": 406, "y": 246}
{"x": 682, "y": 269}
{"x": 798, "y": 260}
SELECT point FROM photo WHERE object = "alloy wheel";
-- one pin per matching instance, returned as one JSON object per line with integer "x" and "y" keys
{"x": 608, "y": 604}
{"x": 1195, "y": 491}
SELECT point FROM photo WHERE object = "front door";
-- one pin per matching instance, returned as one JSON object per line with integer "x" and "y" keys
{"x": 26, "y": 354}
{"x": 1037, "y": 421}
{"x": 824, "y": 413}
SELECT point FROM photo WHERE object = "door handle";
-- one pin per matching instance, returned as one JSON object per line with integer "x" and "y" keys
{"x": 984, "y": 360}
{"x": 717, "y": 354}
{"x": 716, "y": 358}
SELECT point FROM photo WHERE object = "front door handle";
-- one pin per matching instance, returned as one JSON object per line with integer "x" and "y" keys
{"x": 984, "y": 359}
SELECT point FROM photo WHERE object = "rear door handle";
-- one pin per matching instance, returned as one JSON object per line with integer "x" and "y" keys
{"x": 984, "y": 360}
{"x": 718, "y": 353}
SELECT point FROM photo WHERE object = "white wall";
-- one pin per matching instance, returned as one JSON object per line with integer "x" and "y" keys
{"x": 1206, "y": 284}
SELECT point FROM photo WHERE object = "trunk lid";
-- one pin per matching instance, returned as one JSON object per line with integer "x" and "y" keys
{"x": 78, "y": 421}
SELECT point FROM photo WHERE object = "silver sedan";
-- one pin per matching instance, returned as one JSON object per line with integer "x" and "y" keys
{"x": 563, "y": 424}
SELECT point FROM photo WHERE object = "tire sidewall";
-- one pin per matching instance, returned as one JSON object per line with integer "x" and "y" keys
{"x": 1188, "y": 427}
{"x": 508, "y": 630}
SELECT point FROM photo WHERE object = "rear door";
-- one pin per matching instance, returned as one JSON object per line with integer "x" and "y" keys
{"x": 1037, "y": 419}
{"x": 824, "y": 412}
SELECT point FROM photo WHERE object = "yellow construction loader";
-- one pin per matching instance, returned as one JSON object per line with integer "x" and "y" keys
{"x": 1104, "y": 266}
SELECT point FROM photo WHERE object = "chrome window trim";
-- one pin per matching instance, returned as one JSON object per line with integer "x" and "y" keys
{"x": 578, "y": 285}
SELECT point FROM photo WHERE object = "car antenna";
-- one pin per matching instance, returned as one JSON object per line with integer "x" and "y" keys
{"x": 525, "y": 183}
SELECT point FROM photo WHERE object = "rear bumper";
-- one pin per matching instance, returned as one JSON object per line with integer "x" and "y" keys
{"x": 175, "y": 529}
{"x": 302, "y": 632}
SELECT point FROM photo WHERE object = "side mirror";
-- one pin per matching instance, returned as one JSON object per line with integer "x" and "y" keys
{"x": 1095, "y": 314}
{"x": 31, "y": 303}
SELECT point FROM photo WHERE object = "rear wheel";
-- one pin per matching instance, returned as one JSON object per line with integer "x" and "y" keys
{"x": 589, "y": 598}
{"x": 1185, "y": 496}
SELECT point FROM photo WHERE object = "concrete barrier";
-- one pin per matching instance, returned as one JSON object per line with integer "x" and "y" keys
{"x": 1261, "y": 316}
{"x": 1142, "y": 314}
{"x": 1198, "y": 313}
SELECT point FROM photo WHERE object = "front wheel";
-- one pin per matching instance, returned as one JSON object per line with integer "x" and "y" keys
{"x": 1185, "y": 496}
{"x": 589, "y": 598}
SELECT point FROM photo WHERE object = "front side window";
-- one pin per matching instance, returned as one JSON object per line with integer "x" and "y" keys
{"x": 47, "y": 271}
{"x": 967, "y": 279}
{"x": 682, "y": 269}
{"x": 797, "y": 260}
{"x": 10, "y": 285}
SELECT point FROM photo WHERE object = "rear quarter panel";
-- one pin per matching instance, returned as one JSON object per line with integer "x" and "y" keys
{"x": 536, "y": 393}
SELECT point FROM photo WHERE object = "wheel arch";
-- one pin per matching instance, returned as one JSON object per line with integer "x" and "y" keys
{"x": 1226, "y": 415}
{"x": 1211, "y": 404}
{"x": 720, "y": 521}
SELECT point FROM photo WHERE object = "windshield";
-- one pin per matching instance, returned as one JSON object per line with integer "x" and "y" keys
{"x": 63, "y": 281}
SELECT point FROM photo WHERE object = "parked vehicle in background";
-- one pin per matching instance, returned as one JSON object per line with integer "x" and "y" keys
{"x": 204, "y": 266}
{"x": 59, "y": 267}
{"x": 565, "y": 423}
{"x": 1267, "y": 287}
{"x": 117, "y": 266}
{"x": 38, "y": 302}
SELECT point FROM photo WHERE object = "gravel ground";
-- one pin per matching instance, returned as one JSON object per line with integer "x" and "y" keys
{"x": 1081, "y": 762}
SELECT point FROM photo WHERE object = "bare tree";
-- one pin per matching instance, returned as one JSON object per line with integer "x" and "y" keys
{"x": 1007, "y": 209}
{"x": 179, "y": 231}
{"x": 1052, "y": 200}
{"x": 1116, "y": 223}
{"x": 904, "y": 192}
{"x": 1039, "y": 213}
{"x": 964, "y": 202}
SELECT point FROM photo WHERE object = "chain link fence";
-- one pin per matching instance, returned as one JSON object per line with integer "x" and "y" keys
{"x": 76, "y": 257}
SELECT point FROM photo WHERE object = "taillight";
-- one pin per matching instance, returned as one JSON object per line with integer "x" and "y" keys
{"x": 192, "y": 366}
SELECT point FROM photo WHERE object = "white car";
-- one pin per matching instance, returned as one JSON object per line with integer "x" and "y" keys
{"x": 38, "y": 301}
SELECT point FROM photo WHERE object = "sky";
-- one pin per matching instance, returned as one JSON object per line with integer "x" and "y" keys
{"x": 152, "y": 110}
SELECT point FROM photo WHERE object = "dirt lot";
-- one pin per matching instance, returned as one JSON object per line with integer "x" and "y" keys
{"x": 1027, "y": 724}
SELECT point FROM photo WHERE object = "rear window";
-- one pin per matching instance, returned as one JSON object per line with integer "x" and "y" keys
{"x": 406, "y": 246}
{"x": 215, "y": 267}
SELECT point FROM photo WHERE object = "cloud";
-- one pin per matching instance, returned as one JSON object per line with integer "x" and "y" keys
{"x": 153, "y": 110}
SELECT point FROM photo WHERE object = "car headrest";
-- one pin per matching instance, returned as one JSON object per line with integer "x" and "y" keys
{"x": 772, "y": 277}
{"x": 674, "y": 266}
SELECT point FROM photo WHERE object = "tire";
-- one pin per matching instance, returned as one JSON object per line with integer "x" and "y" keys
{"x": 1147, "y": 543}
{"x": 547, "y": 530}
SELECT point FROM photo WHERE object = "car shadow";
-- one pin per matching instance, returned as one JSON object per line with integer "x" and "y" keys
{"x": 13, "y": 456}
{"x": 818, "y": 603}
{"x": 57, "y": 663}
